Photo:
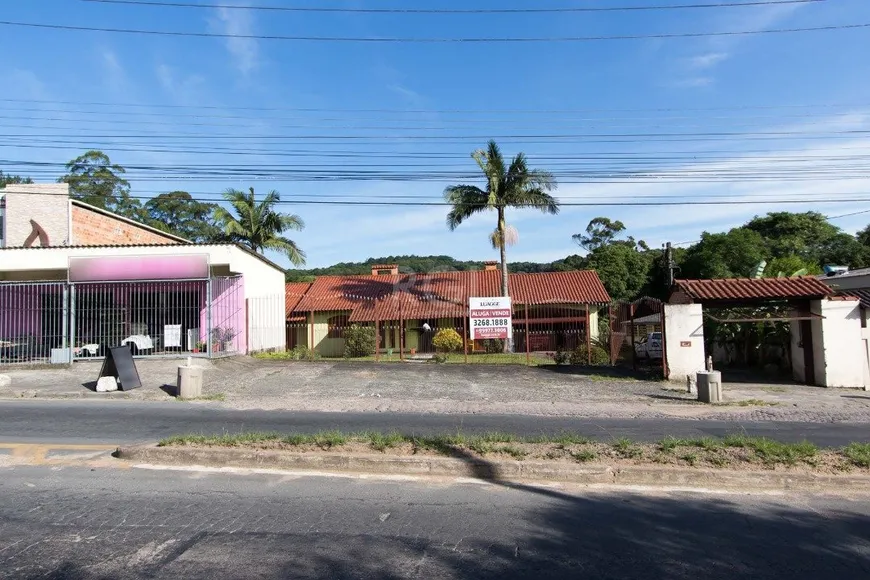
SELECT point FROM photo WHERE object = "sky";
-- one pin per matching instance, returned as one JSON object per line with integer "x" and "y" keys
{"x": 330, "y": 123}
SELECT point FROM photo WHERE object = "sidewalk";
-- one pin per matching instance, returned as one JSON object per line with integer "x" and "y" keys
{"x": 246, "y": 383}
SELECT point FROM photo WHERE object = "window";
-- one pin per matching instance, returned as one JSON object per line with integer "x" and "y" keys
{"x": 336, "y": 325}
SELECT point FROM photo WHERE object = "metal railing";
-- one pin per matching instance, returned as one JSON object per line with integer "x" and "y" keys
{"x": 57, "y": 322}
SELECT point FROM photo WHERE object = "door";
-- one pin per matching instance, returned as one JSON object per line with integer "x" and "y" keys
{"x": 809, "y": 361}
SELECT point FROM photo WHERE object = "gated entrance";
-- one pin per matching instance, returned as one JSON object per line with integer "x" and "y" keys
{"x": 57, "y": 322}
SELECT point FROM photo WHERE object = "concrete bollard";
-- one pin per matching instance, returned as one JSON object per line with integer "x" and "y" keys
{"x": 710, "y": 386}
{"x": 691, "y": 385}
{"x": 189, "y": 385}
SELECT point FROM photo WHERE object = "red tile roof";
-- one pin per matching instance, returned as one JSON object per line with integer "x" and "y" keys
{"x": 293, "y": 294}
{"x": 445, "y": 294}
{"x": 754, "y": 288}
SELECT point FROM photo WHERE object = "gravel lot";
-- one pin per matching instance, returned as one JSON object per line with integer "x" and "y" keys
{"x": 246, "y": 383}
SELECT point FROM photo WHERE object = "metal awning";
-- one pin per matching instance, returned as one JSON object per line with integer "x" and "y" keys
{"x": 777, "y": 318}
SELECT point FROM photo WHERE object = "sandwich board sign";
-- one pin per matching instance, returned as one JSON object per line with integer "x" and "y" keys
{"x": 490, "y": 317}
{"x": 119, "y": 364}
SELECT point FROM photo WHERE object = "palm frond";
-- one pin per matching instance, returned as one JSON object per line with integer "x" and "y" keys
{"x": 289, "y": 248}
{"x": 534, "y": 198}
{"x": 466, "y": 200}
{"x": 291, "y": 222}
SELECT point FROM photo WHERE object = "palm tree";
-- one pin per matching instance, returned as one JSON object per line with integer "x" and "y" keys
{"x": 258, "y": 225}
{"x": 515, "y": 186}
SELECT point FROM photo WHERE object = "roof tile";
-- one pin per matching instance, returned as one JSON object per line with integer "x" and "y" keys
{"x": 754, "y": 288}
{"x": 444, "y": 294}
{"x": 293, "y": 294}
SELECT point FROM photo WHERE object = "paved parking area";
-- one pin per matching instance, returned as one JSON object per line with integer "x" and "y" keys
{"x": 246, "y": 383}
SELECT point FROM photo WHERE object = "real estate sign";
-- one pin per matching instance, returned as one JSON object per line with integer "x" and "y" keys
{"x": 490, "y": 317}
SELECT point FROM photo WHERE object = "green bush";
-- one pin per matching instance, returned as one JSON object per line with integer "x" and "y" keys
{"x": 447, "y": 340}
{"x": 560, "y": 357}
{"x": 302, "y": 352}
{"x": 440, "y": 357}
{"x": 600, "y": 357}
{"x": 493, "y": 345}
{"x": 359, "y": 341}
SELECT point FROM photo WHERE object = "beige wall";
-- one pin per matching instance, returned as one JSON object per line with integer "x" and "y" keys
{"x": 46, "y": 204}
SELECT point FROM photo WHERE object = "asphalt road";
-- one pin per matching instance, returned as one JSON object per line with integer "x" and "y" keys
{"x": 74, "y": 523}
{"x": 124, "y": 422}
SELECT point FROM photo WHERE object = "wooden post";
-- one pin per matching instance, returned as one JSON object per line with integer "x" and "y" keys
{"x": 401, "y": 333}
{"x": 631, "y": 323}
{"x": 588, "y": 339}
{"x": 528, "y": 346}
{"x": 465, "y": 321}
{"x": 610, "y": 336}
{"x": 311, "y": 334}
{"x": 377, "y": 336}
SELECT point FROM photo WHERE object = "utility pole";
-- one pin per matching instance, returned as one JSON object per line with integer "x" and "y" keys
{"x": 670, "y": 266}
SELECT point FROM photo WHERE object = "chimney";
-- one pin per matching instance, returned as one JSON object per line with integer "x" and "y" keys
{"x": 490, "y": 265}
{"x": 385, "y": 270}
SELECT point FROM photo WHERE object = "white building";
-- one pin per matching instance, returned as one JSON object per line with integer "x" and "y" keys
{"x": 75, "y": 279}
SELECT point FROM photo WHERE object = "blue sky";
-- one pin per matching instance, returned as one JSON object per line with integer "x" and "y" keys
{"x": 198, "y": 102}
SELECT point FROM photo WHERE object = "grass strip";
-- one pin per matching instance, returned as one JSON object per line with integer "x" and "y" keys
{"x": 731, "y": 451}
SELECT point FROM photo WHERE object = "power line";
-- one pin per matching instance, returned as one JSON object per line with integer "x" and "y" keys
{"x": 465, "y": 122}
{"x": 597, "y": 203}
{"x": 431, "y": 40}
{"x": 836, "y": 217}
{"x": 442, "y": 111}
{"x": 702, "y": 135}
{"x": 454, "y": 10}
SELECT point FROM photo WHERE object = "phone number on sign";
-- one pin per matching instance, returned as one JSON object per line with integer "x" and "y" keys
{"x": 490, "y": 322}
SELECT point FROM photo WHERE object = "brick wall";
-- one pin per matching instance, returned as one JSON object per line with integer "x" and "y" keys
{"x": 46, "y": 204}
{"x": 92, "y": 228}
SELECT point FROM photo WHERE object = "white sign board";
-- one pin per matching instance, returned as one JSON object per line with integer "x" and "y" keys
{"x": 490, "y": 317}
{"x": 172, "y": 335}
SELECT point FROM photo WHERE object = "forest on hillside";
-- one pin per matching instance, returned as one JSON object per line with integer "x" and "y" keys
{"x": 776, "y": 244}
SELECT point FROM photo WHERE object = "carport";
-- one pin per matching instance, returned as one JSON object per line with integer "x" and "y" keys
{"x": 824, "y": 342}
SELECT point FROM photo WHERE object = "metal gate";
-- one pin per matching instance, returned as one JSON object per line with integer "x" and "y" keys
{"x": 57, "y": 322}
{"x": 637, "y": 337}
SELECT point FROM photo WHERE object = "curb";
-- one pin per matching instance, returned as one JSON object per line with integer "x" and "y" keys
{"x": 496, "y": 469}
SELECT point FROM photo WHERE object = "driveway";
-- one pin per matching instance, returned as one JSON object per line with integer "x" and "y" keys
{"x": 247, "y": 383}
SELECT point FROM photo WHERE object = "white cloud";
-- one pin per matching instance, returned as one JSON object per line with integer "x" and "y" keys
{"x": 716, "y": 50}
{"x": 693, "y": 82}
{"x": 710, "y": 59}
{"x": 245, "y": 52}
{"x": 113, "y": 73}
{"x": 182, "y": 87}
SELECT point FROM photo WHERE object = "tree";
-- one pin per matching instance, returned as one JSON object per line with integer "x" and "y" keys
{"x": 734, "y": 254}
{"x": 802, "y": 234}
{"x": 863, "y": 236}
{"x": 623, "y": 270}
{"x": 6, "y": 179}
{"x": 258, "y": 225}
{"x": 843, "y": 249}
{"x": 95, "y": 180}
{"x": 178, "y": 213}
{"x": 515, "y": 186}
{"x": 787, "y": 266}
{"x": 600, "y": 232}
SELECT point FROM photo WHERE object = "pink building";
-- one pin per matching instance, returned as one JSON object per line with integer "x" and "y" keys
{"x": 76, "y": 279}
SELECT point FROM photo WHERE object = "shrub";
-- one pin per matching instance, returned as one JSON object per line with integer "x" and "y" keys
{"x": 440, "y": 357}
{"x": 493, "y": 345}
{"x": 359, "y": 341}
{"x": 447, "y": 340}
{"x": 600, "y": 357}
{"x": 560, "y": 357}
{"x": 302, "y": 352}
